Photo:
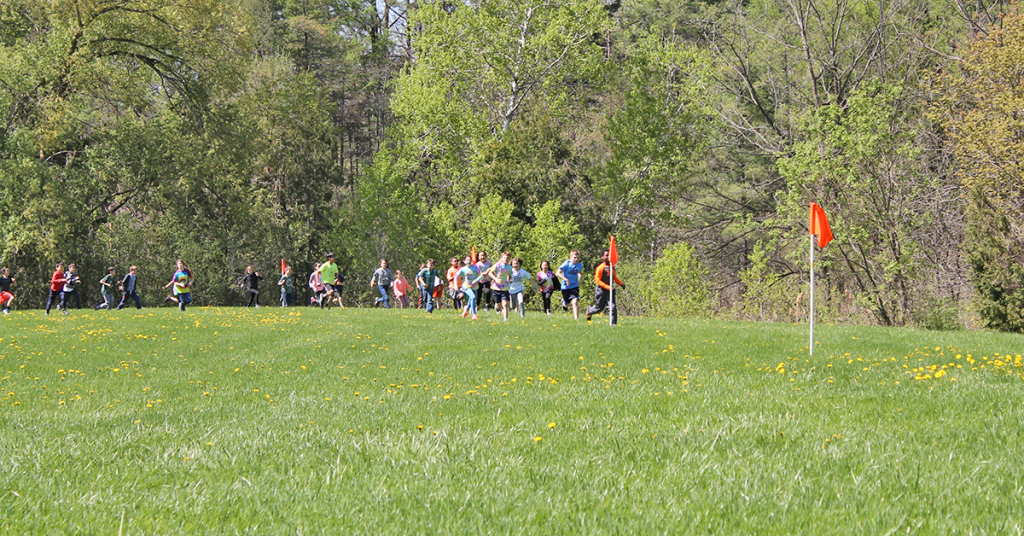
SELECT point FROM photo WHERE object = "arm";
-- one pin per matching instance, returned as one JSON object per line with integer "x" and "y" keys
{"x": 597, "y": 277}
{"x": 621, "y": 284}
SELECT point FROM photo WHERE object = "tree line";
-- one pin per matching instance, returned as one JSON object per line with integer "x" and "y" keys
{"x": 237, "y": 133}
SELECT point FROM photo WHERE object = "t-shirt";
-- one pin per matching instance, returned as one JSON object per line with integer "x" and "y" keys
{"x": 518, "y": 281}
{"x": 501, "y": 274}
{"x": 286, "y": 284}
{"x": 571, "y": 272}
{"x": 180, "y": 280}
{"x": 104, "y": 289}
{"x": 451, "y": 276}
{"x": 383, "y": 277}
{"x": 252, "y": 281}
{"x": 482, "y": 267}
{"x": 467, "y": 274}
{"x": 327, "y": 272}
{"x": 315, "y": 282}
{"x": 400, "y": 286}
{"x": 57, "y": 281}
{"x": 71, "y": 281}
{"x": 547, "y": 280}
{"x": 128, "y": 283}
{"x": 428, "y": 275}
{"x": 5, "y": 284}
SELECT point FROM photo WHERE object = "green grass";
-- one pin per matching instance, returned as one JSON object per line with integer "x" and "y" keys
{"x": 372, "y": 421}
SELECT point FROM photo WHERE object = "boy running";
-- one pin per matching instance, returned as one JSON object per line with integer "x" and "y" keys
{"x": 485, "y": 297}
{"x": 569, "y": 273}
{"x": 426, "y": 279}
{"x": 71, "y": 281}
{"x": 107, "y": 289}
{"x": 128, "y": 286}
{"x": 56, "y": 287}
{"x": 328, "y": 271}
{"x": 603, "y": 289}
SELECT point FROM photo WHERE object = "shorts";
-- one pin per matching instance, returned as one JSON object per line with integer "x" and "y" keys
{"x": 6, "y": 297}
{"x": 500, "y": 295}
{"x": 328, "y": 288}
{"x": 569, "y": 294}
{"x": 184, "y": 297}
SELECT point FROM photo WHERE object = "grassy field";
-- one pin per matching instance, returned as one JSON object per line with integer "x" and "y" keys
{"x": 370, "y": 421}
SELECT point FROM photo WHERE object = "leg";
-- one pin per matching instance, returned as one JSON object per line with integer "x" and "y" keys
{"x": 428, "y": 299}
{"x": 138, "y": 302}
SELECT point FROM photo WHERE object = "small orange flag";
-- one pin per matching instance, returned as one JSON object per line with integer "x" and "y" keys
{"x": 284, "y": 266}
{"x": 472, "y": 253}
{"x": 613, "y": 253}
{"x": 819, "y": 225}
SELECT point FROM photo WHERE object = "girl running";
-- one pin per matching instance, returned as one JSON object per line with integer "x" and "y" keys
{"x": 251, "y": 282}
{"x": 499, "y": 275}
{"x": 517, "y": 286}
{"x": 317, "y": 286}
{"x": 382, "y": 279}
{"x": 401, "y": 288}
{"x": 467, "y": 278}
{"x": 548, "y": 284}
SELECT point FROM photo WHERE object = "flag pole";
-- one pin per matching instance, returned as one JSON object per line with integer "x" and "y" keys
{"x": 811, "y": 315}
{"x": 611, "y": 294}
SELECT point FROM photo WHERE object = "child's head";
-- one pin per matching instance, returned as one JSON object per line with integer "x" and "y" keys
{"x": 5, "y": 271}
{"x": 132, "y": 269}
{"x": 517, "y": 263}
{"x": 316, "y": 265}
{"x": 398, "y": 274}
{"x": 248, "y": 269}
{"x": 71, "y": 268}
{"x": 545, "y": 266}
{"x": 574, "y": 256}
{"x": 455, "y": 261}
{"x": 111, "y": 270}
{"x": 383, "y": 263}
{"x": 288, "y": 271}
{"x": 60, "y": 266}
{"x": 430, "y": 264}
{"x": 181, "y": 264}
{"x": 504, "y": 257}
{"x": 467, "y": 261}
{"x": 482, "y": 256}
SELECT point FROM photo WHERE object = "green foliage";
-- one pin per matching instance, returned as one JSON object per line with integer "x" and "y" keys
{"x": 551, "y": 237}
{"x": 678, "y": 285}
{"x": 997, "y": 275}
{"x": 767, "y": 295}
{"x": 493, "y": 228}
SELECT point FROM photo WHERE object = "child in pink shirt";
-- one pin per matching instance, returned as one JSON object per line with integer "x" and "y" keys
{"x": 400, "y": 287}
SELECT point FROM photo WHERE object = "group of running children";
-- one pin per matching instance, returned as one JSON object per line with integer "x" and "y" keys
{"x": 470, "y": 282}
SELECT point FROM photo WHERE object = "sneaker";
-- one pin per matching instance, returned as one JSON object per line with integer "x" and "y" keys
{"x": 65, "y": 312}
{"x": 475, "y": 317}
{"x": 588, "y": 317}
{"x": 6, "y": 312}
{"x": 257, "y": 306}
{"x": 466, "y": 313}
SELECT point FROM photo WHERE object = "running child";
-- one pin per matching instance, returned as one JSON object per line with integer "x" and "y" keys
{"x": 499, "y": 274}
{"x": 6, "y": 282}
{"x": 401, "y": 288}
{"x": 180, "y": 282}
{"x": 485, "y": 297}
{"x": 517, "y": 286}
{"x": 287, "y": 287}
{"x": 328, "y": 271}
{"x": 56, "y": 287}
{"x": 548, "y": 284}
{"x": 382, "y": 278}
{"x": 467, "y": 278}
{"x": 128, "y": 287}
{"x": 107, "y": 289}
{"x": 427, "y": 279}
{"x": 317, "y": 286}
{"x": 569, "y": 273}
{"x": 453, "y": 290}
{"x": 251, "y": 282}
{"x": 71, "y": 282}
{"x": 603, "y": 289}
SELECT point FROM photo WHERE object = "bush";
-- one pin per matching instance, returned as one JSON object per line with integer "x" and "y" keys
{"x": 678, "y": 285}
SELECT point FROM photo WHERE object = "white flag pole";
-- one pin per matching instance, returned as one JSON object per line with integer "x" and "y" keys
{"x": 812, "y": 295}
{"x": 611, "y": 294}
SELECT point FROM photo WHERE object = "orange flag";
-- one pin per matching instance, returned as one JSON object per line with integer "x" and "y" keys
{"x": 472, "y": 253}
{"x": 284, "y": 266}
{"x": 613, "y": 253}
{"x": 819, "y": 225}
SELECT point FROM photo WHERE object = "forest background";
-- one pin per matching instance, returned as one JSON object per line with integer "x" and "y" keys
{"x": 231, "y": 133}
